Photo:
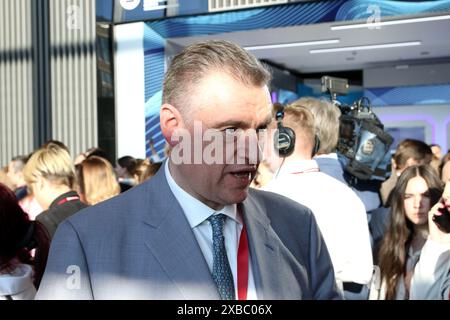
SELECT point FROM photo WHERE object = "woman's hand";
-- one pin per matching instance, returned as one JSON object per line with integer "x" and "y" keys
{"x": 437, "y": 234}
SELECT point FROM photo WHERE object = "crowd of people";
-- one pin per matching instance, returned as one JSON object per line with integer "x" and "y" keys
{"x": 38, "y": 192}
{"x": 140, "y": 229}
{"x": 384, "y": 235}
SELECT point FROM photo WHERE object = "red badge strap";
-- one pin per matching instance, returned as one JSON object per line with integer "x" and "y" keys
{"x": 242, "y": 278}
{"x": 68, "y": 199}
{"x": 307, "y": 171}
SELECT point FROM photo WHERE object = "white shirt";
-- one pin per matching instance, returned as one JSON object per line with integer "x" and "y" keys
{"x": 340, "y": 215}
{"x": 431, "y": 279}
{"x": 431, "y": 273}
{"x": 18, "y": 285}
{"x": 197, "y": 214}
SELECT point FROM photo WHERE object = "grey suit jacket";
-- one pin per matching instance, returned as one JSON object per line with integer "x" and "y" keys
{"x": 139, "y": 245}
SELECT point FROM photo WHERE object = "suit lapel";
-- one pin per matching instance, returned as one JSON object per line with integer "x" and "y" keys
{"x": 264, "y": 250}
{"x": 169, "y": 238}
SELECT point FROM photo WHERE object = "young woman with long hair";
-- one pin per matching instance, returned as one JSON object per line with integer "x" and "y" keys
{"x": 417, "y": 190}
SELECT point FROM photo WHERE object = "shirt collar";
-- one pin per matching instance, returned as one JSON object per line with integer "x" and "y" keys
{"x": 332, "y": 155}
{"x": 196, "y": 211}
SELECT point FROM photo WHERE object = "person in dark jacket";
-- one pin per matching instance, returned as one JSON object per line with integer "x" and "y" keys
{"x": 21, "y": 270}
{"x": 50, "y": 174}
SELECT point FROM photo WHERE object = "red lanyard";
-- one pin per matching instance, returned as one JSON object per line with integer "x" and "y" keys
{"x": 242, "y": 265}
{"x": 68, "y": 199}
{"x": 306, "y": 171}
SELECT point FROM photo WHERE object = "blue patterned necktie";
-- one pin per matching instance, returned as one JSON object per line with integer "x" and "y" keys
{"x": 221, "y": 274}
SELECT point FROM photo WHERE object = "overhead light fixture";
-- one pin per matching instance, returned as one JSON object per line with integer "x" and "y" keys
{"x": 368, "y": 47}
{"x": 389, "y": 23}
{"x": 293, "y": 44}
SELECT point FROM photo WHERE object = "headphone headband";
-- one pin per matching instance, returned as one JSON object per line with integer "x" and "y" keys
{"x": 280, "y": 114}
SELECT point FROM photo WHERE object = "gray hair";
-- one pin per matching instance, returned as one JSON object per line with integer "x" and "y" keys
{"x": 192, "y": 64}
{"x": 326, "y": 122}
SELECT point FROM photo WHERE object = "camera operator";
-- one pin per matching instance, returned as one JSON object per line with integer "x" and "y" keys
{"x": 340, "y": 214}
{"x": 361, "y": 145}
{"x": 326, "y": 122}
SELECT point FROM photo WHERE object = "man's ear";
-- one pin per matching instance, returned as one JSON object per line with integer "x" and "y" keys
{"x": 170, "y": 120}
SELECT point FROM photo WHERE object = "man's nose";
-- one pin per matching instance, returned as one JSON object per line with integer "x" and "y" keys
{"x": 250, "y": 147}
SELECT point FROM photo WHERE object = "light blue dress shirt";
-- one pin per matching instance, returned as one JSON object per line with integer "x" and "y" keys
{"x": 197, "y": 213}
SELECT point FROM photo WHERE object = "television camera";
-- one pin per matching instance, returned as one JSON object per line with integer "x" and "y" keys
{"x": 363, "y": 143}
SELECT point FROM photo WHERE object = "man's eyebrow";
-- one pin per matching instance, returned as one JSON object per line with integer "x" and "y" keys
{"x": 242, "y": 124}
{"x": 231, "y": 123}
{"x": 266, "y": 121}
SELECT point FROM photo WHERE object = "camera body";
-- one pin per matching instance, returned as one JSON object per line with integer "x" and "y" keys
{"x": 363, "y": 143}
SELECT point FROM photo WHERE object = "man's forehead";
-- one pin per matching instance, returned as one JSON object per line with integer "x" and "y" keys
{"x": 259, "y": 114}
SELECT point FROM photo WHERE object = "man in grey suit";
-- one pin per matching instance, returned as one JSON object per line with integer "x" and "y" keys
{"x": 195, "y": 230}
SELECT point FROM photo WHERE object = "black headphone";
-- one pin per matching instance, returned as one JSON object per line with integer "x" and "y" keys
{"x": 284, "y": 143}
{"x": 316, "y": 145}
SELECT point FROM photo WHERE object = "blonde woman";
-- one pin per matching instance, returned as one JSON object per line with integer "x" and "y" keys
{"x": 50, "y": 175}
{"x": 97, "y": 181}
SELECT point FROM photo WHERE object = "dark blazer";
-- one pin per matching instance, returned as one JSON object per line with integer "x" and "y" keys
{"x": 139, "y": 245}
{"x": 57, "y": 213}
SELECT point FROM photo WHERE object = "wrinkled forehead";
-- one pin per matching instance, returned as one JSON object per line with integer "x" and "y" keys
{"x": 238, "y": 115}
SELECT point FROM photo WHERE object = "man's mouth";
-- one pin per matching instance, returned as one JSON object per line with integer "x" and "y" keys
{"x": 243, "y": 175}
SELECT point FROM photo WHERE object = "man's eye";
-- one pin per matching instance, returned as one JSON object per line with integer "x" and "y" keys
{"x": 230, "y": 130}
{"x": 262, "y": 130}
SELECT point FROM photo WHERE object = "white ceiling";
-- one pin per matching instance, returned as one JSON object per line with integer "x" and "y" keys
{"x": 434, "y": 36}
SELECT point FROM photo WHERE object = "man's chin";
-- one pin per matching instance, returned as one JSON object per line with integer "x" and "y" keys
{"x": 239, "y": 196}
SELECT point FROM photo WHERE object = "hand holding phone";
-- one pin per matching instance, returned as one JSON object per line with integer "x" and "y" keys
{"x": 442, "y": 220}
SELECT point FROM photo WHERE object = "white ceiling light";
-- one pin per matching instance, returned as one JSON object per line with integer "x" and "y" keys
{"x": 368, "y": 47}
{"x": 293, "y": 44}
{"x": 389, "y": 23}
